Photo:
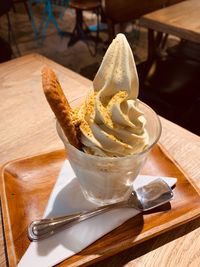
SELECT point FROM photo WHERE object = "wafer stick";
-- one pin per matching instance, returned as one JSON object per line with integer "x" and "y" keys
{"x": 59, "y": 105}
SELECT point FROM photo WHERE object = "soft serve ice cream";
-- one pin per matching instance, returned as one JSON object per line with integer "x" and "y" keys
{"x": 111, "y": 123}
{"x": 109, "y": 127}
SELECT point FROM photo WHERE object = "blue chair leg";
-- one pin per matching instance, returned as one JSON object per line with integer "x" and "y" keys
{"x": 45, "y": 28}
{"x": 36, "y": 33}
{"x": 43, "y": 19}
{"x": 47, "y": 17}
{"x": 51, "y": 16}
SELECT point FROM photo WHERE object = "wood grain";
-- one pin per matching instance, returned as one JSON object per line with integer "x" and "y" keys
{"x": 181, "y": 20}
{"x": 27, "y": 184}
{"x": 27, "y": 127}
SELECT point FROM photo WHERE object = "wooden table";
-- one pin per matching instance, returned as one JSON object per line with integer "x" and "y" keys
{"x": 28, "y": 127}
{"x": 181, "y": 20}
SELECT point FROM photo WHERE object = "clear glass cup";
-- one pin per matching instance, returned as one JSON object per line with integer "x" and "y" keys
{"x": 106, "y": 180}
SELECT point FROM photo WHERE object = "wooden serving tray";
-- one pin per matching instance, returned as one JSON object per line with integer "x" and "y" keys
{"x": 26, "y": 185}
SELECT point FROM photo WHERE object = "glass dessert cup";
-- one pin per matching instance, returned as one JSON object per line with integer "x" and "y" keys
{"x": 106, "y": 180}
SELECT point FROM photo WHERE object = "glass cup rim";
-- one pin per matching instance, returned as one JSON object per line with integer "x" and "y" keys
{"x": 90, "y": 156}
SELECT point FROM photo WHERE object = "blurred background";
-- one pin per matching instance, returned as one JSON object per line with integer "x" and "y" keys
{"x": 76, "y": 35}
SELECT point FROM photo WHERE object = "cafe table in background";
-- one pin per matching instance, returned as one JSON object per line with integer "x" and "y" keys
{"x": 181, "y": 20}
{"x": 27, "y": 127}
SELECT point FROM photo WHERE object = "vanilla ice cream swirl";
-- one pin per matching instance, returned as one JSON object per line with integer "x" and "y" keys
{"x": 111, "y": 123}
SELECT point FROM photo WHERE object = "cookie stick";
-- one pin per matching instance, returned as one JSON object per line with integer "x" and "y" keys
{"x": 59, "y": 105}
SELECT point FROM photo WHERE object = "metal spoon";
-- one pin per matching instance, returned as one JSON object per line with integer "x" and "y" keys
{"x": 144, "y": 198}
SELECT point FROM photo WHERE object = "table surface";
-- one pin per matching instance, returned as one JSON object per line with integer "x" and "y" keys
{"x": 28, "y": 127}
{"x": 181, "y": 20}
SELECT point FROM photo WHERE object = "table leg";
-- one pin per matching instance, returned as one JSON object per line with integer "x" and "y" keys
{"x": 151, "y": 45}
{"x": 156, "y": 43}
{"x": 146, "y": 66}
{"x": 82, "y": 32}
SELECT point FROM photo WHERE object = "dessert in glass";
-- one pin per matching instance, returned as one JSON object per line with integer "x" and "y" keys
{"x": 109, "y": 137}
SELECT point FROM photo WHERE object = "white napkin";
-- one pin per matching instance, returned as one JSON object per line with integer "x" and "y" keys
{"x": 66, "y": 198}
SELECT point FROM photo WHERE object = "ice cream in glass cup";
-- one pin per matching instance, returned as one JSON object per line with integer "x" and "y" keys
{"x": 109, "y": 136}
{"x": 106, "y": 180}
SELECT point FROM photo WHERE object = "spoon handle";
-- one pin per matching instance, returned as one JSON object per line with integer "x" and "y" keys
{"x": 40, "y": 229}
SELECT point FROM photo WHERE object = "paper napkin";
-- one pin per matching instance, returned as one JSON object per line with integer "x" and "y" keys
{"x": 67, "y": 198}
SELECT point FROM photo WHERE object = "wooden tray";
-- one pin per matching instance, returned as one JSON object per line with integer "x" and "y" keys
{"x": 26, "y": 186}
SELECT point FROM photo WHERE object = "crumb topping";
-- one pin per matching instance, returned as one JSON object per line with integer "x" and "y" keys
{"x": 106, "y": 110}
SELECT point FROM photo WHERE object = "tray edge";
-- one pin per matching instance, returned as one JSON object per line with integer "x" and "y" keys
{"x": 12, "y": 257}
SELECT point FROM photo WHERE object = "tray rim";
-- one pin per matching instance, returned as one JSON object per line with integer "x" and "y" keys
{"x": 10, "y": 253}
{"x": 7, "y": 235}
